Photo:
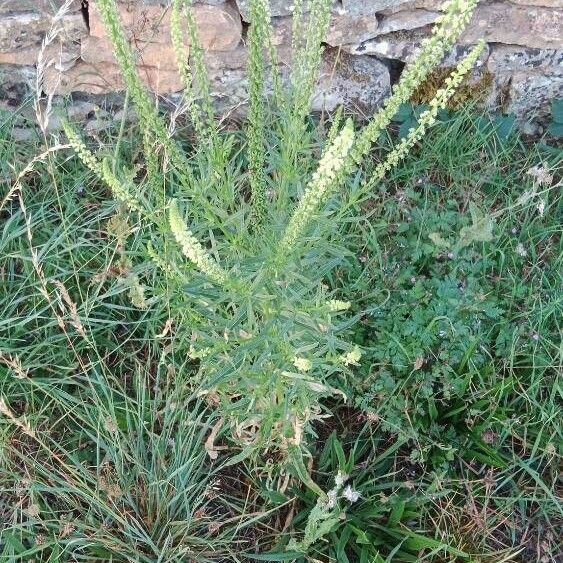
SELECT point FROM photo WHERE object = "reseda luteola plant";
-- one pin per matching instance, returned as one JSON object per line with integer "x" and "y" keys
{"x": 267, "y": 338}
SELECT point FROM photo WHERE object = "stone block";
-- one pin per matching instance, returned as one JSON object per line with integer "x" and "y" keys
{"x": 216, "y": 61}
{"x": 544, "y": 3}
{"x": 359, "y": 83}
{"x": 98, "y": 50}
{"x": 105, "y": 77}
{"x": 16, "y": 83}
{"x": 22, "y": 31}
{"x": 345, "y": 29}
{"x": 61, "y": 54}
{"x": 38, "y": 6}
{"x": 220, "y": 27}
{"x": 529, "y": 26}
{"x": 405, "y": 21}
{"x": 400, "y": 46}
{"x": 22, "y": 34}
{"x": 531, "y": 93}
{"x": 431, "y": 5}
{"x": 510, "y": 58}
{"x": 365, "y": 7}
{"x": 405, "y": 46}
{"x": 277, "y": 8}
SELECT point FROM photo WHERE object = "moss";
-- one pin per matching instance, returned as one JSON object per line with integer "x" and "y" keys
{"x": 470, "y": 89}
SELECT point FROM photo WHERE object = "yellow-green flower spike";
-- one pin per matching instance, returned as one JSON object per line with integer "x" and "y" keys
{"x": 192, "y": 248}
{"x": 428, "y": 118}
{"x": 324, "y": 179}
{"x": 448, "y": 28}
{"x": 103, "y": 171}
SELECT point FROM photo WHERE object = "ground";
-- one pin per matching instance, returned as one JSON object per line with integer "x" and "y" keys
{"x": 450, "y": 430}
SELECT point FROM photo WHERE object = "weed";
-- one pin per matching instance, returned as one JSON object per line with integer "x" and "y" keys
{"x": 259, "y": 312}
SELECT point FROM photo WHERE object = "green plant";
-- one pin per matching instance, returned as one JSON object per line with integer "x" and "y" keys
{"x": 555, "y": 128}
{"x": 480, "y": 479}
{"x": 125, "y": 474}
{"x": 101, "y": 445}
{"x": 371, "y": 506}
{"x": 264, "y": 334}
{"x": 445, "y": 275}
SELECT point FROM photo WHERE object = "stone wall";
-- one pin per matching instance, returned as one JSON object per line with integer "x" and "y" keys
{"x": 368, "y": 44}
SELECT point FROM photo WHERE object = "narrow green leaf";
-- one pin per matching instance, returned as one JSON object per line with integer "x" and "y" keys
{"x": 297, "y": 463}
{"x": 396, "y": 514}
{"x": 276, "y": 556}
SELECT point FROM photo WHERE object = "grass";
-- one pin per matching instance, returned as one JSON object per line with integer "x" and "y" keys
{"x": 451, "y": 432}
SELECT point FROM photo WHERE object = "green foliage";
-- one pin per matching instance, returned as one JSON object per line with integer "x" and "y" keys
{"x": 555, "y": 128}
{"x": 201, "y": 114}
{"x": 503, "y": 126}
{"x": 441, "y": 296}
{"x": 468, "y": 477}
{"x": 460, "y": 358}
{"x": 408, "y": 116}
{"x": 126, "y": 474}
{"x": 369, "y": 506}
{"x": 260, "y": 312}
{"x": 242, "y": 295}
